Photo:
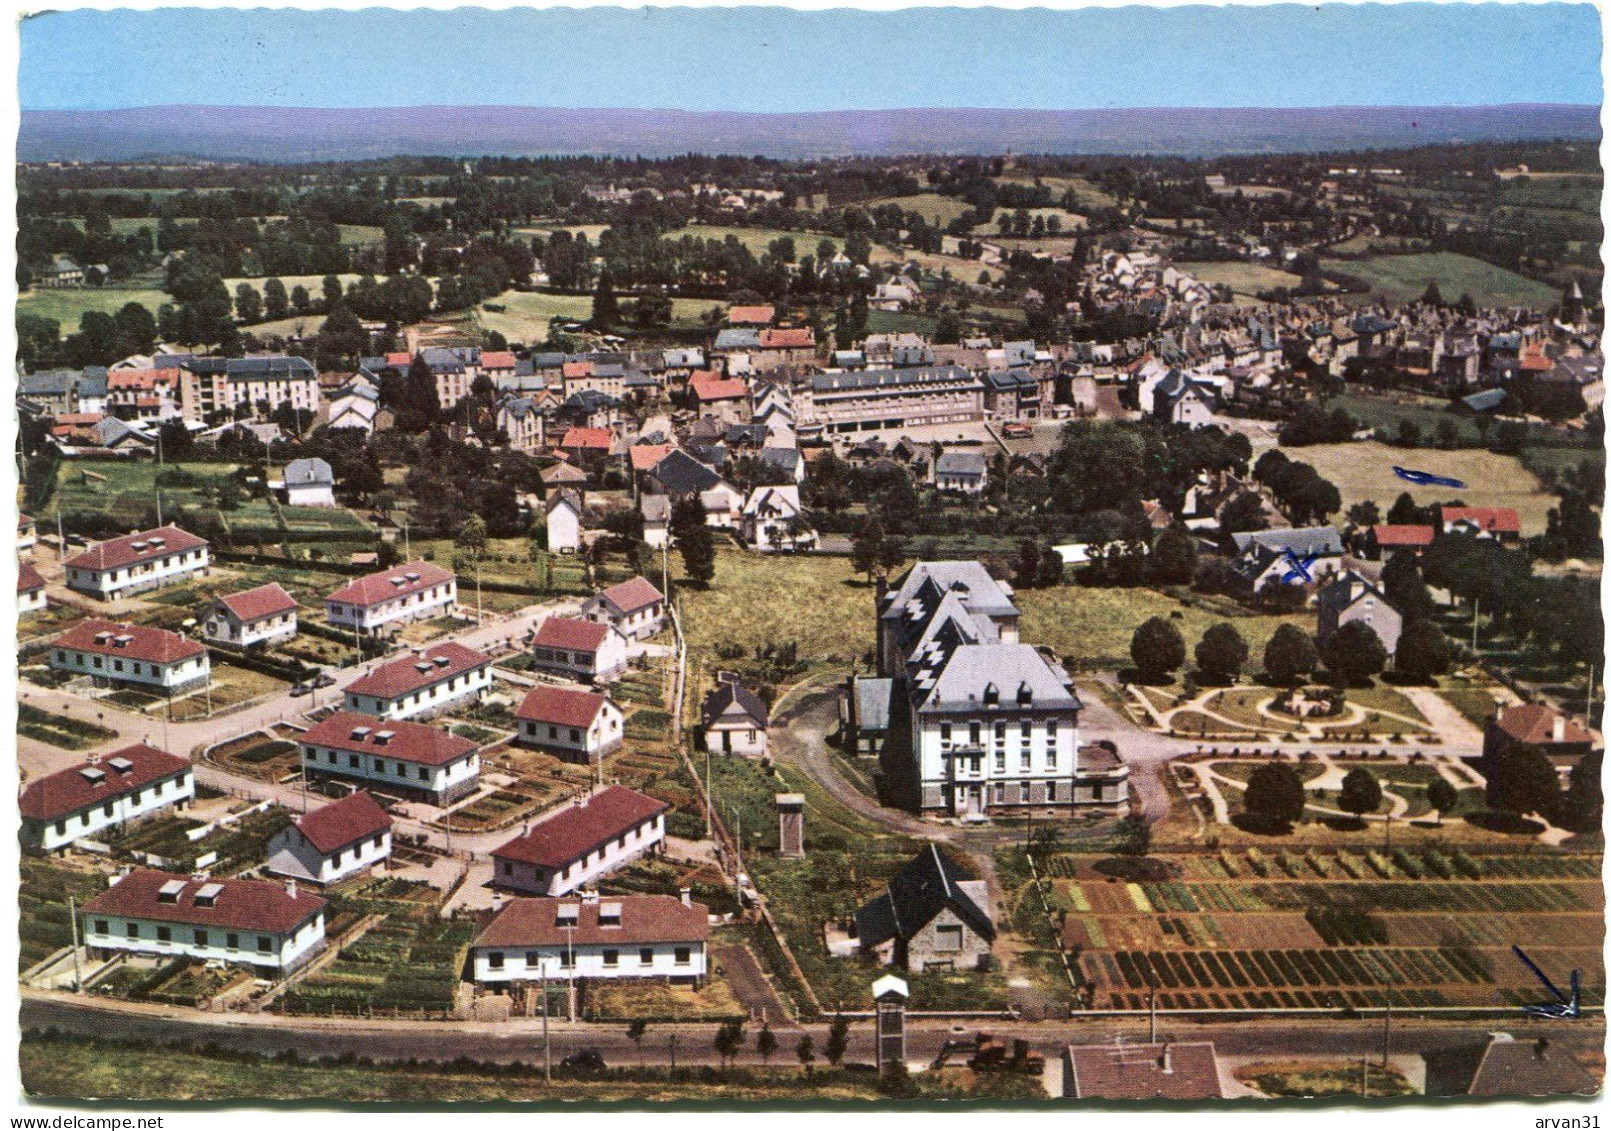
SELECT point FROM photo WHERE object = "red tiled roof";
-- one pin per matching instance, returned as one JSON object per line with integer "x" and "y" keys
{"x": 248, "y": 905}
{"x": 600, "y": 438}
{"x": 1402, "y": 535}
{"x": 72, "y": 418}
{"x": 405, "y": 676}
{"x": 373, "y": 588}
{"x": 633, "y": 594}
{"x": 1534, "y": 358}
{"x": 562, "y": 706}
{"x": 28, "y": 579}
{"x": 115, "y": 553}
{"x": 570, "y": 633}
{"x": 333, "y": 827}
{"x": 497, "y": 359}
{"x": 1501, "y": 519}
{"x": 399, "y": 360}
{"x": 710, "y": 387}
{"x": 750, "y": 315}
{"x": 788, "y": 339}
{"x": 409, "y": 742}
{"x": 1137, "y": 1072}
{"x": 146, "y": 379}
{"x": 644, "y": 919}
{"x": 1534, "y": 724}
{"x": 142, "y": 642}
{"x": 576, "y": 830}
{"x": 67, "y": 791}
{"x": 570, "y": 369}
{"x": 254, "y": 604}
{"x": 645, "y": 456}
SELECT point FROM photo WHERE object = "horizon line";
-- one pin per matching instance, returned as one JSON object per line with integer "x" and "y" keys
{"x": 805, "y": 113}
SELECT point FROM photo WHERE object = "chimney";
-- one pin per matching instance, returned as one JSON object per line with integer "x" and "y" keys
{"x": 686, "y": 895}
{"x": 1166, "y": 1062}
{"x": 1540, "y": 1047}
{"x": 290, "y": 886}
{"x": 1558, "y": 729}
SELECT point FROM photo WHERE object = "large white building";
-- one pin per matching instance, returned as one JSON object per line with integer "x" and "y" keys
{"x": 261, "y": 384}
{"x": 628, "y": 936}
{"x": 101, "y": 792}
{"x": 333, "y": 841}
{"x": 581, "y": 842}
{"x": 270, "y": 926}
{"x": 385, "y": 601}
{"x": 133, "y": 655}
{"x": 401, "y": 759}
{"x": 150, "y": 559}
{"x": 252, "y": 616}
{"x": 987, "y": 724}
{"x": 422, "y": 683}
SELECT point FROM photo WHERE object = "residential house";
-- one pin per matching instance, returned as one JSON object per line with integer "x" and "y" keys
{"x": 1303, "y": 556}
{"x": 774, "y": 520}
{"x": 135, "y": 563}
{"x": 256, "y": 385}
{"x": 1179, "y": 399}
{"x": 751, "y": 315}
{"x": 577, "y": 725}
{"x": 579, "y": 649}
{"x": 356, "y": 405}
{"x": 634, "y": 608}
{"x": 130, "y": 655}
{"x": 786, "y": 461}
{"x": 1347, "y": 597}
{"x": 381, "y": 603}
{"x": 429, "y": 680}
{"x": 30, "y": 590}
{"x": 102, "y": 791}
{"x": 725, "y": 398}
{"x": 1170, "y": 1070}
{"x": 253, "y": 616}
{"x": 264, "y": 924}
{"x": 932, "y": 916}
{"x": 679, "y": 476}
{"x": 333, "y": 841}
{"x": 656, "y": 511}
{"x": 309, "y": 483}
{"x": 563, "y": 521}
{"x": 734, "y": 718}
{"x": 961, "y": 471}
{"x": 1391, "y": 538}
{"x": 564, "y": 475}
{"x": 625, "y": 936}
{"x": 581, "y": 842}
{"x": 396, "y": 758}
{"x": 522, "y": 422}
{"x": 1501, "y": 523}
{"x": 27, "y": 534}
{"x": 1537, "y": 728}
{"x": 588, "y": 447}
{"x": 62, "y": 272}
{"x": 865, "y": 719}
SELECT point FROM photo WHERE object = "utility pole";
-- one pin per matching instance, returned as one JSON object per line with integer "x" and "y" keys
{"x": 1476, "y": 610}
{"x": 1387, "y": 1024}
{"x": 1588, "y": 703}
{"x": 548, "y": 1059}
{"x": 710, "y": 798}
{"x": 407, "y": 553}
{"x": 72, "y": 919}
{"x": 1152, "y": 1015}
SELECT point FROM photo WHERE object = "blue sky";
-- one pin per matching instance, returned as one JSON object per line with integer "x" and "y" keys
{"x": 777, "y": 59}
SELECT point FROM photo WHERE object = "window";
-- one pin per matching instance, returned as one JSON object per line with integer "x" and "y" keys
{"x": 495, "y": 960}
{"x": 508, "y": 868}
{"x": 201, "y": 938}
{"x": 1001, "y": 759}
{"x": 612, "y": 958}
{"x": 532, "y": 958}
{"x": 100, "y": 926}
{"x": 1023, "y": 792}
{"x": 683, "y": 955}
{"x": 1024, "y": 727}
{"x": 948, "y": 936}
{"x": 1051, "y": 792}
{"x": 945, "y": 732}
{"x": 974, "y": 763}
{"x": 107, "y": 808}
{"x": 61, "y": 828}
{"x": 232, "y": 941}
{"x": 264, "y": 944}
{"x": 974, "y": 730}
{"x": 646, "y": 956}
{"x": 1051, "y": 730}
{"x": 352, "y": 761}
{"x": 1001, "y": 732}
{"x": 1023, "y": 758}
{"x": 133, "y": 930}
{"x": 1001, "y": 793}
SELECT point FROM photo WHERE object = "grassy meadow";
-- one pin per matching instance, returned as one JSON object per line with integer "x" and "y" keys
{"x": 1404, "y": 278}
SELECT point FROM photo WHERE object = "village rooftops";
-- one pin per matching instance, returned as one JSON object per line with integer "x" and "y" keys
{"x": 1536, "y": 725}
{"x": 497, "y": 359}
{"x": 255, "y": 604}
{"x": 1185, "y": 1070}
{"x": 999, "y": 676}
{"x": 97, "y": 780}
{"x": 588, "y": 439}
{"x": 571, "y": 634}
{"x": 1501, "y": 520}
{"x": 28, "y": 578}
{"x": 627, "y": 597}
{"x": 411, "y": 673}
{"x": 1305, "y": 542}
{"x": 645, "y": 456}
{"x": 713, "y": 387}
{"x": 893, "y": 378}
{"x": 795, "y": 339}
{"x": 388, "y": 584}
{"x": 416, "y": 743}
{"x": 577, "y": 830}
{"x": 928, "y": 883}
{"x": 682, "y": 474}
{"x": 1402, "y": 534}
{"x": 248, "y": 905}
{"x": 333, "y": 827}
{"x": 118, "y": 553}
{"x": 102, "y": 637}
{"x": 750, "y": 315}
{"x": 562, "y": 706}
{"x": 626, "y": 919}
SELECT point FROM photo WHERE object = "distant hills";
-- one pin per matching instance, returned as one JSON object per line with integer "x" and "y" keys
{"x": 262, "y": 133}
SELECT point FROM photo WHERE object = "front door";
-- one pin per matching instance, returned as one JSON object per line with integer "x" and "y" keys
{"x": 975, "y": 800}
{"x": 727, "y": 742}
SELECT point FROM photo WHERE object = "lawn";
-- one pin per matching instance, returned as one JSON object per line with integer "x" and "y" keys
{"x": 1244, "y": 279}
{"x": 59, "y": 730}
{"x": 936, "y": 210}
{"x": 1092, "y": 628}
{"x": 1475, "y": 703}
{"x": 1323, "y": 1079}
{"x": 362, "y": 235}
{"x": 756, "y": 239}
{"x": 1365, "y": 471}
{"x": 1404, "y": 278}
{"x": 526, "y": 314}
{"x": 68, "y": 304}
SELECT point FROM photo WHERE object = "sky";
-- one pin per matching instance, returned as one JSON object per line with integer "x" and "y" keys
{"x": 778, "y": 59}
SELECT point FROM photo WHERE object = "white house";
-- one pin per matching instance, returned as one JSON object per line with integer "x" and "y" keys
{"x": 579, "y": 649}
{"x": 564, "y": 522}
{"x": 30, "y": 590}
{"x": 627, "y": 936}
{"x": 581, "y": 842}
{"x": 634, "y": 608}
{"x": 27, "y": 534}
{"x": 656, "y": 511}
{"x": 130, "y": 654}
{"x": 426, "y": 681}
{"x": 100, "y": 792}
{"x": 772, "y": 520}
{"x": 724, "y": 505}
{"x": 355, "y": 405}
{"x": 270, "y": 926}
{"x": 385, "y": 601}
{"x": 965, "y": 472}
{"x": 734, "y": 718}
{"x": 137, "y": 562}
{"x": 403, "y": 759}
{"x": 253, "y": 616}
{"x": 579, "y": 726}
{"x": 309, "y": 483}
{"x": 334, "y": 841}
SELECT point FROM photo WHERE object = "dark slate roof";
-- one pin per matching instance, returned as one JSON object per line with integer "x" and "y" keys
{"x": 922, "y": 889}
{"x": 872, "y": 703}
{"x": 738, "y": 339}
{"x": 785, "y": 459}
{"x": 753, "y": 434}
{"x": 728, "y": 694}
{"x": 257, "y": 368}
{"x": 1006, "y": 380}
{"x": 682, "y": 474}
{"x": 961, "y": 463}
{"x": 1485, "y": 401}
{"x": 879, "y": 378}
{"x": 1320, "y": 541}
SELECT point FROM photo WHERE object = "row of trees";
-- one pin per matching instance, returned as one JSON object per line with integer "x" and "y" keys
{"x": 1352, "y": 655}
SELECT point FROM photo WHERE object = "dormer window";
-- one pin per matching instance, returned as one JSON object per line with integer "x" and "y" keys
{"x": 566, "y": 915}
{"x": 1026, "y": 696}
{"x": 382, "y": 737}
{"x": 121, "y": 766}
{"x": 169, "y": 892}
{"x": 992, "y": 695}
{"x": 207, "y": 894}
{"x": 609, "y": 914}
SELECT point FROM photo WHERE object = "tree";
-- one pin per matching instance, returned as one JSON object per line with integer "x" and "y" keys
{"x": 1423, "y": 651}
{"x": 1432, "y": 296}
{"x": 1157, "y": 649}
{"x": 275, "y": 302}
{"x": 1355, "y": 653}
{"x": 867, "y": 548}
{"x": 1290, "y": 655}
{"x": 1026, "y": 574}
{"x": 1442, "y": 796}
{"x": 1275, "y": 794}
{"x": 1365, "y": 514}
{"x": 635, "y": 1032}
{"x": 838, "y": 1040}
{"x": 606, "y": 312}
{"x": 1222, "y": 652}
{"x": 331, "y": 286}
{"x": 420, "y": 407}
{"x": 1361, "y": 793}
{"x": 729, "y": 1039}
{"x": 248, "y": 303}
{"x": 1174, "y": 558}
{"x": 806, "y": 1051}
{"x": 473, "y": 534}
{"x": 698, "y": 550}
{"x": 766, "y": 1042}
{"x": 136, "y": 329}
{"x": 300, "y": 301}
{"x": 1583, "y": 808}
{"x": 1133, "y": 836}
{"x": 1521, "y": 780}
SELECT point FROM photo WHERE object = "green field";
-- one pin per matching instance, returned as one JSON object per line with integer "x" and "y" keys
{"x": 362, "y": 235}
{"x": 756, "y": 239}
{"x": 1244, "y": 279}
{"x": 67, "y": 305}
{"x": 314, "y": 283}
{"x": 526, "y": 314}
{"x": 937, "y": 211}
{"x": 1404, "y": 278}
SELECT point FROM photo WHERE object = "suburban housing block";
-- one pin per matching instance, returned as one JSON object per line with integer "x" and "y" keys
{"x": 581, "y": 842}
{"x": 333, "y": 841}
{"x": 579, "y": 726}
{"x": 634, "y": 608}
{"x": 579, "y": 649}
{"x": 427, "y": 681}
{"x": 398, "y": 758}
{"x": 383, "y": 602}
{"x": 253, "y": 616}
{"x": 137, "y": 562}
{"x": 131, "y": 654}
{"x": 628, "y": 936}
{"x": 100, "y": 792}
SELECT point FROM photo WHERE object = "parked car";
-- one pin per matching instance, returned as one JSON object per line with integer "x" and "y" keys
{"x": 301, "y": 689}
{"x": 324, "y": 679}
